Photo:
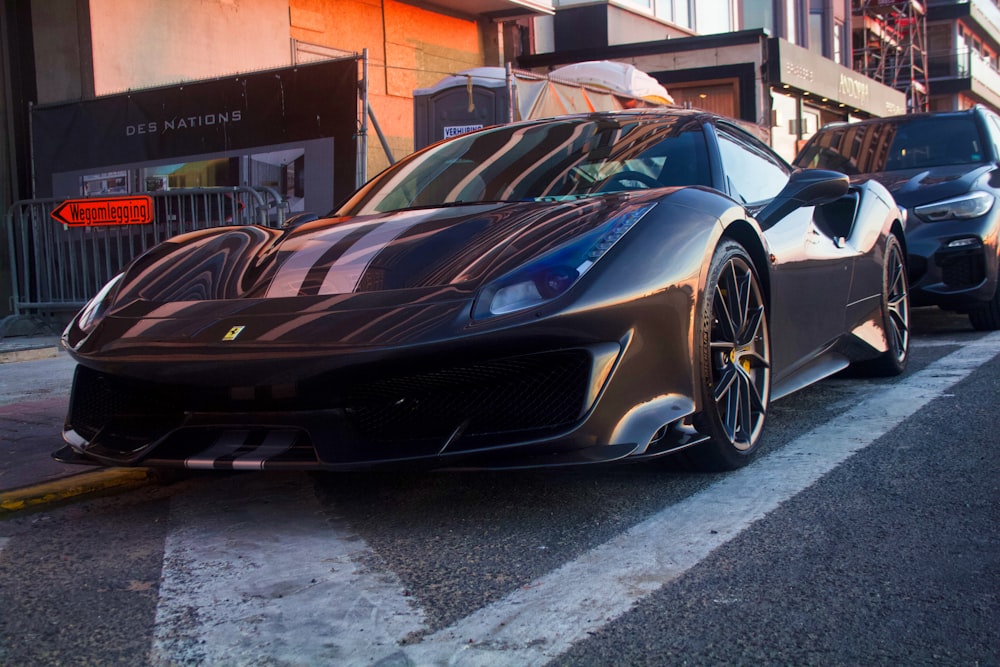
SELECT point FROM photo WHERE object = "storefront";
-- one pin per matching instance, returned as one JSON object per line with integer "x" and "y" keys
{"x": 293, "y": 130}
{"x": 808, "y": 91}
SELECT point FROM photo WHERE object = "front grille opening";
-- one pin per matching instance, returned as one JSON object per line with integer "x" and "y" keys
{"x": 963, "y": 271}
{"x": 515, "y": 394}
{"x": 126, "y": 414}
{"x": 527, "y": 393}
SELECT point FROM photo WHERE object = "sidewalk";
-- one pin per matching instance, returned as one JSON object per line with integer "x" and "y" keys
{"x": 35, "y": 378}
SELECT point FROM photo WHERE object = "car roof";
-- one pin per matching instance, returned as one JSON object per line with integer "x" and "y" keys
{"x": 908, "y": 117}
{"x": 700, "y": 115}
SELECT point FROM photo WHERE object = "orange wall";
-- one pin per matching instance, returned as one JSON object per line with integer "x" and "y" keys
{"x": 409, "y": 48}
{"x": 145, "y": 44}
{"x": 140, "y": 44}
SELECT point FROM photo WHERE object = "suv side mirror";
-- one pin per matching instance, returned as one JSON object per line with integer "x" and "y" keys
{"x": 806, "y": 187}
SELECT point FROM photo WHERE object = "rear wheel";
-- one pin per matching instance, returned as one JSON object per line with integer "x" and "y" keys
{"x": 735, "y": 361}
{"x": 895, "y": 315}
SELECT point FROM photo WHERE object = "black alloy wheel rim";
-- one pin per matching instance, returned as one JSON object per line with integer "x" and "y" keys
{"x": 740, "y": 350}
{"x": 897, "y": 304}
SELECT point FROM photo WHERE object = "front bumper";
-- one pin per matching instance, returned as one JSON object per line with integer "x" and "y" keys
{"x": 527, "y": 410}
{"x": 952, "y": 264}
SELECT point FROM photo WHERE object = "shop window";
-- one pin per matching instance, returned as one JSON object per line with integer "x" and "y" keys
{"x": 197, "y": 174}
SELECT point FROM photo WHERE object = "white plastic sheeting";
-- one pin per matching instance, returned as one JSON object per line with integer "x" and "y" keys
{"x": 579, "y": 88}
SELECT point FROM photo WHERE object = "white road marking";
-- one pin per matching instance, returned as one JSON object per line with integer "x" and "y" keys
{"x": 242, "y": 585}
{"x": 938, "y": 342}
{"x": 543, "y": 620}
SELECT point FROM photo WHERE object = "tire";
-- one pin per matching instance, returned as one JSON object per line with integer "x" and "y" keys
{"x": 735, "y": 361}
{"x": 895, "y": 315}
{"x": 987, "y": 316}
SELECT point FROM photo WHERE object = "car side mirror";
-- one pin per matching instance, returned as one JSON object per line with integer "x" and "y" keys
{"x": 805, "y": 187}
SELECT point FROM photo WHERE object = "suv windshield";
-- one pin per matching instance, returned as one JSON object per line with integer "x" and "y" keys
{"x": 891, "y": 145}
{"x": 573, "y": 158}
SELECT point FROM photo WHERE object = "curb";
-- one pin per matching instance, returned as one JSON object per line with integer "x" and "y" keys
{"x": 29, "y": 354}
{"x": 70, "y": 487}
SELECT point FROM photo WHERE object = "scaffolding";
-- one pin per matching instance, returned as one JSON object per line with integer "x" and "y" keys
{"x": 890, "y": 46}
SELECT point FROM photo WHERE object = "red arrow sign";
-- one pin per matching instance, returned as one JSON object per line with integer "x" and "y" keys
{"x": 131, "y": 210}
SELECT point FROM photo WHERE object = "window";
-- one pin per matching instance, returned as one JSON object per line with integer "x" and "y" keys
{"x": 712, "y": 16}
{"x": 816, "y": 32}
{"x": 758, "y": 14}
{"x": 912, "y": 143}
{"x": 838, "y": 40}
{"x": 791, "y": 22}
{"x": 754, "y": 174}
{"x": 555, "y": 160}
{"x": 675, "y": 11}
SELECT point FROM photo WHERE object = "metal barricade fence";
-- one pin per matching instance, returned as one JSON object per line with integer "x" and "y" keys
{"x": 57, "y": 268}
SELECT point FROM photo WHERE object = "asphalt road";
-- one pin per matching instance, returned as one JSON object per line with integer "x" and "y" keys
{"x": 866, "y": 534}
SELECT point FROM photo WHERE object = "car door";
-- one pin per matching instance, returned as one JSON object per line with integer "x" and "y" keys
{"x": 810, "y": 267}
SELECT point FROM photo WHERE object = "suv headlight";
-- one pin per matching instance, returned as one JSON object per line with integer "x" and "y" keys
{"x": 971, "y": 205}
{"x": 552, "y": 274}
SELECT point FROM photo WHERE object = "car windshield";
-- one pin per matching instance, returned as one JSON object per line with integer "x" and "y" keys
{"x": 545, "y": 160}
{"x": 919, "y": 143}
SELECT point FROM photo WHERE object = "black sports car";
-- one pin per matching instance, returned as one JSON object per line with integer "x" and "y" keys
{"x": 571, "y": 290}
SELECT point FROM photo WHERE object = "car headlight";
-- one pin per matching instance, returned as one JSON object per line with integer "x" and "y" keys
{"x": 971, "y": 205}
{"x": 96, "y": 308}
{"x": 553, "y": 274}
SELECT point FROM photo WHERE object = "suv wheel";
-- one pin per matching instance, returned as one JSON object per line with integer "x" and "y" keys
{"x": 987, "y": 316}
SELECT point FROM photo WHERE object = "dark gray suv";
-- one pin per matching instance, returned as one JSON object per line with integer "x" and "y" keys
{"x": 943, "y": 169}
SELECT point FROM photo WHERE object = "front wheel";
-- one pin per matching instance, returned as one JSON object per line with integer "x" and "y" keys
{"x": 734, "y": 356}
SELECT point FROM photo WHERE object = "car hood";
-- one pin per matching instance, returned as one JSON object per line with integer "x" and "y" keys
{"x": 915, "y": 187}
{"x": 263, "y": 295}
{"x": 455, "y": 246}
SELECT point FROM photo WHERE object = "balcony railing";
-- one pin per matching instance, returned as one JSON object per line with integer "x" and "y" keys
{"x": 984, "y": 11}
{"x": 964, "y": 64}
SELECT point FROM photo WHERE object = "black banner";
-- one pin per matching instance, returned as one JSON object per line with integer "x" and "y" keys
{"x": 311, "y": 101}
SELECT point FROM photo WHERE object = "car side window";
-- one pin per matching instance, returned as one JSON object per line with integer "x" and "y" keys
{"x": 753, "y": 172}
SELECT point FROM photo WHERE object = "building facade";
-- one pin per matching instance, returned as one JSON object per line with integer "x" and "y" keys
{"x": 782, "y": 64}
{"x": 788, "y": 66}
{"x": 82, "y": 55}
{"x": 963, "y": 54}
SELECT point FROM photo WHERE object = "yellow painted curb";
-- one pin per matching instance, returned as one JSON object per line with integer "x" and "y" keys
{"x": 62, "y": 489}
{"x": 28, "y": 354}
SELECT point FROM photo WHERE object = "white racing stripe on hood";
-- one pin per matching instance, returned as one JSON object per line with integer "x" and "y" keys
{"x": 346, "y": 272}
{"x": 289, "y": 278}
